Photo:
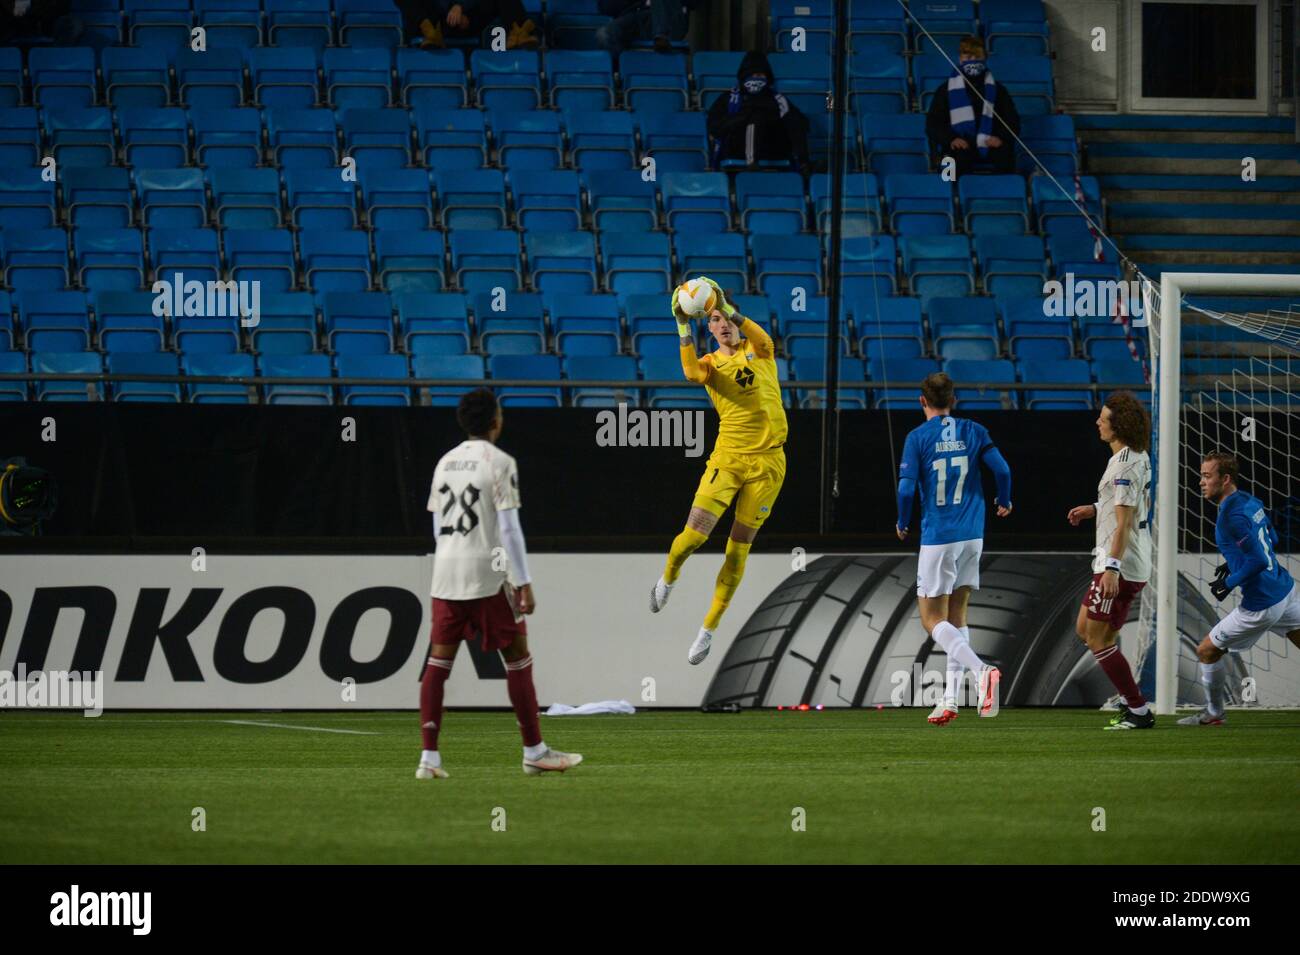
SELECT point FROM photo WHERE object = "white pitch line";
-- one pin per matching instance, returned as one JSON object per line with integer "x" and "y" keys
{"x": 291, "y": 726}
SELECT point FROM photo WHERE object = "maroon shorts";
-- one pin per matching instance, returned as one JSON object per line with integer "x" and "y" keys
{"x": 490, "y": 617}
{"x": 1114, "y": 610}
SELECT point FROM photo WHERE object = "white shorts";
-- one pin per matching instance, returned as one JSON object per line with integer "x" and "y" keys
{"x": 1241, "y": 629}
{"x": 942, "y": 568}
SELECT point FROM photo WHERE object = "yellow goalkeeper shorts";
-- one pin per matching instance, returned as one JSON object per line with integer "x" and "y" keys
{"x": 752, "y": 480}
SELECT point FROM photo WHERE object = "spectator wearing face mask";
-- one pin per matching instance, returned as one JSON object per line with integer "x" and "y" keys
{"x": 754, "y": 122}
{"x": 972, "y": 118}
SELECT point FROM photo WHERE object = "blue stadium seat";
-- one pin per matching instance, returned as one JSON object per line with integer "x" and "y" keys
{"x": 877, "y": 23}
{"x": 599, "y": 141}
{"x": 562, "y": 261}
{"x": 206, "y": 336}
{"x": 453, "y": 139}
{"x": 230, "y": 24}
{"x": 484, "y": 260}
{"x": 358, "y": 78}
{"x": 1016, "y": 27}
{"x": 298, "y": 23}
{"x": 283, "y": 76}
{"x": 654, "y": 81}
{"x": 26, "y": 200}
{"x": 715, "y": 74}
{"x": 368, "y": 24}
{"x": 620, "y": 200}
{"x": 62, "y": 77}
{"x": 136, "y": 77}
{"x": 11, "y": 77}
{"x": 154, "y": 138}
{"x": 320, "y": 199}
{"x": 432, "y": 80}
{"x": 377, "y": 138}
{"x": 596, "y": 368}
{"x": 109, "y": 258}
{"x": 771, "y": 202}
{"x": 719, "y": 255}
{"x": 397, "y": 198}
{"x": 245, "y": 198}
{"x": 471, "y": 199}
{"x": 164, "y": 24}
{"x": 1028, "y": 79}
{"x": 171, "y": 198}
{"x": 35, "y": 259}
{"x": 678, "y": 141}
{"x": 851, "y": 371}
{"x": 547, "y": 201}
{"x": 998, "y": 371}
{"x": 97, "y": 197}
{"x": 20, "y": 136}
{"x": 469, "y": 368}
{"x": 527, "y": 367}
{"x": 436, "y": 324}
{"x": 510, "y": 325}
{"x": 67, "y": 363}
{"x": 783, "y": 264}
{"x": 127, "y": 324}
{"x": 580, "y": 79}
{"x": 1049, "y": 347}
{"x": 697, "y": 201}
{"x": 296, "y": 366}
{"x": 54, "y": 321}
{"x": 227, "y": 138}
{"x": 944, "y": 17}
{"x": 815, "y": 17}
{"x": 507, "y": 80}
{"x": 218, "y": 365}
{"x": 994, "y": 205}
{"x": 877, "y": 81}
{"x": 410, "y": 260}
{"x": 1053, "y": 201}
{"x": 1046, "y": 371}
{"x": 287, "y": 325}
{"x": 337, "y": 261}
{"x": 1052, "y": 139}
{"x": 81, "y": 136}
{"x": 919, "y": 204}
{"x": 636, "y": 263}
{"x": 358, "y": 323}
{"x": 374, "y": 366}
{"x": 262, "y": 255}
{"x": 669, "y": 368}
{"x": 585, "y": 324}
{"x": 142, "y": 363}
{"x": 572, "y": 24}
{"x": 868, "y": 266}
{"x": 938, "y": 265}
{"x": 895, "y": 143}
{"x": 527, "y": 140}
{"x": 302, "y": 138}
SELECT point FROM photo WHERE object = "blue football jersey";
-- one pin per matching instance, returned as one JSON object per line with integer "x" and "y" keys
{"x": 1248, "y": 543}
{"x": 943, "y": 457}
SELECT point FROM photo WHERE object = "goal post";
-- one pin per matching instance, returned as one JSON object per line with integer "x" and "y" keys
{"x": 1166, "y": 341}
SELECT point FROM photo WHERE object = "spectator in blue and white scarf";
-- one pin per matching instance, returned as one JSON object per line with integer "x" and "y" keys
{"x": 972, "y": 118}
{"x": 754, "y": 123}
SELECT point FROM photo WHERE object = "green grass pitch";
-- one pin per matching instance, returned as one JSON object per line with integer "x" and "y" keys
{"x": 670, "y": 787}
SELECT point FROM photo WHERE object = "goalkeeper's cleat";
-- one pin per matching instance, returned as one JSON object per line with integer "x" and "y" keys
{"x": 1128, "y": 720}
{"x": 431, "y": 772}
{"x": 942, "y": 714}
{"x": 1203, "y": 718}
{"x": 700, "y": 648}
{"x": 659, "y": 595}
{"x": 990, "y": 677}
{"x": 551, "y": 761}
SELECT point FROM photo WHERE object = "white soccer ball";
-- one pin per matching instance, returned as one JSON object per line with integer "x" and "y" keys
{"x": 696, "y": 298}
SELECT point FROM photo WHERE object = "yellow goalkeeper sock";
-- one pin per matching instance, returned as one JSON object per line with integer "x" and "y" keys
{"x": 733, "y": 569}
{"x": 684, "y": 544}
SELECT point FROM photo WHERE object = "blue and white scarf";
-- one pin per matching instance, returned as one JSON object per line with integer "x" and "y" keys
{"x": 961, "y": 115}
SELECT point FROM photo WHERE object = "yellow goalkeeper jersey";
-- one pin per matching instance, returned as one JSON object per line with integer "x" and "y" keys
{"x": 745, "y": 390}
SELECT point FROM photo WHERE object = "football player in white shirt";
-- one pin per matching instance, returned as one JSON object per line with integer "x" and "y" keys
{"x": 1121, "y": 564}
{"x": 475, "y": 503}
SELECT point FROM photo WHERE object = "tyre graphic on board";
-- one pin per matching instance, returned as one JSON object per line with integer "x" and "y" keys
{"x": 846, "y": 631}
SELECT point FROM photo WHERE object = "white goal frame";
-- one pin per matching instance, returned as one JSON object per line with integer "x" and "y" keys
{"x": 1173, "y": 286}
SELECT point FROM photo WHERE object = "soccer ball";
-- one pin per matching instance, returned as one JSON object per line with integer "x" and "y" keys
{"x": 696, "y": 298}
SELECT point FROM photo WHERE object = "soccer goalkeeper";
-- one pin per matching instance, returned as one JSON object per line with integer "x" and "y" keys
{"x": 747, "y": 464}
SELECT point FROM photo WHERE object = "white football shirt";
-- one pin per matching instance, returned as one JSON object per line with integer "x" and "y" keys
{"x": 471, "y": 483}
{"x": 1127, "y": 482}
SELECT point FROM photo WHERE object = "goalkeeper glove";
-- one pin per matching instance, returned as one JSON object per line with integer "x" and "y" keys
{"x": 1219, "y": 586}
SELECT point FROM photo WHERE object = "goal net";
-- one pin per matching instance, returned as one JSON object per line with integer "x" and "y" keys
{"x": 1225, "y": 370}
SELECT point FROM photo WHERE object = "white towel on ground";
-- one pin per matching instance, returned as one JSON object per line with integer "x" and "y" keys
{"x": 586, "y": 709}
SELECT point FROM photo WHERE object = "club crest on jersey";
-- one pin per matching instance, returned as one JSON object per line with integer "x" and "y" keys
{"x": 744, "y": 377}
